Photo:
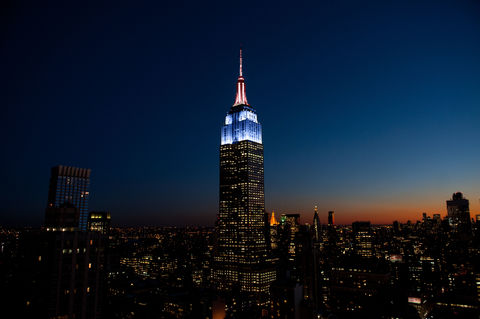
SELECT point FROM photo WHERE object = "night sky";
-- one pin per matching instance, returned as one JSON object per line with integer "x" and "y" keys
{"x": 369, "y": 108}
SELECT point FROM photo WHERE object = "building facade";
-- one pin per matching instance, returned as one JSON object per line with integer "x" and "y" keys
{"x": 331, "y": 218}
{"x": 242, "y": 253}
{"x": 60, "y": 274}
{"x": 316, "y": 225}
{"x": 69, "y": 186}
{"x": 458, "y": 214}
{"x": 99, "y": 221}
{"x": 363, "y": 239}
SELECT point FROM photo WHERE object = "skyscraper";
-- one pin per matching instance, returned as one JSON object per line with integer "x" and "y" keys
{"x": 69, "y": 186}
{"x": 331, "y": 218}
{"x": 241, "y": 258}
{"x": 273, "y": 220}
{"x": 363, "y": 239}
{"x": 62, "y": 266}
{"x": 274, "y": 226}
{"x": 458, "y": 214}
{"x": 316, "y": 225}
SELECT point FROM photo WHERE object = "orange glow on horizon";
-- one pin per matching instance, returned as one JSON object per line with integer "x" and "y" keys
{"x": 380, "y": 214}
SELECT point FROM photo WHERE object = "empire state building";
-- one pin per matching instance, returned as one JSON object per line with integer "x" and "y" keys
{"x": 241, "y": 258}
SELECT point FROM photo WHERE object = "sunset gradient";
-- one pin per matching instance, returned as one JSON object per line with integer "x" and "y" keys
{"x": 370, "y": 109}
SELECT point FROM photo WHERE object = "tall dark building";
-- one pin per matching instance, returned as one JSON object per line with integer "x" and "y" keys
{"x": 242, "y": 254}
{"x": 65, "y": 217}
{"x": 274, "y": 226}
{"x": 331, "y": 218}
{"x": 69, "y": 188}
{"x": 63, "y": 272}
{"x": 292, "y": 225}
{"x": 62, "y": 266}
{"x": 363, "y": 239}
{"x": 316, "y": 225}
{"x": 458, "y": 213}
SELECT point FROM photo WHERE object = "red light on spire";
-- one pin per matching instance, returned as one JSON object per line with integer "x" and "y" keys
{"x": 241, "y": 97}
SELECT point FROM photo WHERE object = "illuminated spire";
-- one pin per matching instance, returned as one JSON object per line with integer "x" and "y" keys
{"x": 241, "y": 97}
{"x": 273, "y": 221}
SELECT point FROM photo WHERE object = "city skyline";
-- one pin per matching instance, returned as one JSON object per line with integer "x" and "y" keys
{"x": 376, "y": 126}
{"x": 138, "y": 181}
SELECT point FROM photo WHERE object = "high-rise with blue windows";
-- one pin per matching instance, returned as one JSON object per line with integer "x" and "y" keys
{"x": 242, "y": 261}
{"x": 69, "y": 190}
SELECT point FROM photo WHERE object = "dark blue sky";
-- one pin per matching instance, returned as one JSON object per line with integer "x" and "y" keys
{"x": 369, "y": 108}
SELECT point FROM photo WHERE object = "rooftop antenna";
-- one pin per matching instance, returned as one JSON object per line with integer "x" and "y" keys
{"x": 241, "y": 74}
